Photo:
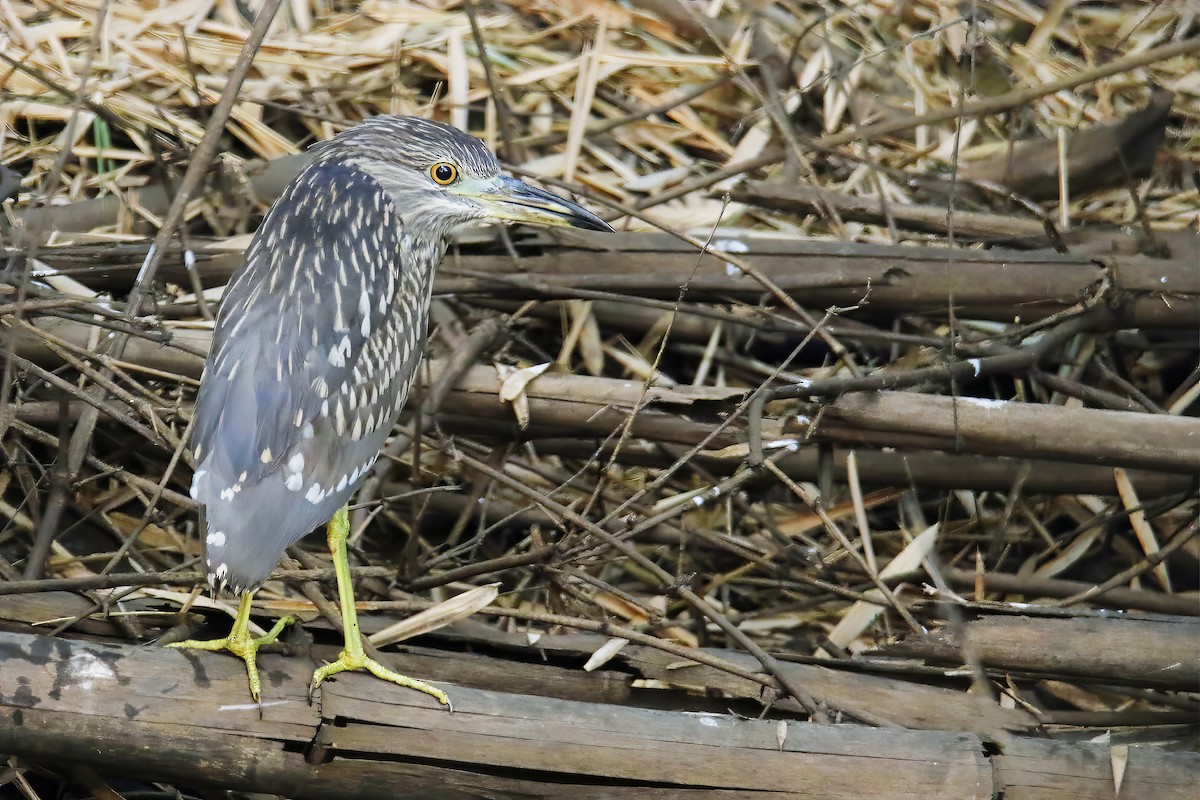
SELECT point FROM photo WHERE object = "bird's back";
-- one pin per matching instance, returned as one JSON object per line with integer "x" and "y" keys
{"x": 316, "y": 343}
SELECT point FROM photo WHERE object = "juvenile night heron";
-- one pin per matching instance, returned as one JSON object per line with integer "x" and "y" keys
{"x": 317, "y": 342}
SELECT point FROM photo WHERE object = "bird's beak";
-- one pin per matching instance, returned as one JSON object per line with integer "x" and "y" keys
{"x": 512, "y": 200}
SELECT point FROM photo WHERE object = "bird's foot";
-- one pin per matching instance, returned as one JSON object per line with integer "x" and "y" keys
{"x": 358, "y": 661}
{"x": 242, "y": 645}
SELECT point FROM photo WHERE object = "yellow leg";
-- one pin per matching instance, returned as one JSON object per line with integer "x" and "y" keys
{"x": 352, "y": 656}
{"x": 240, "y": 644}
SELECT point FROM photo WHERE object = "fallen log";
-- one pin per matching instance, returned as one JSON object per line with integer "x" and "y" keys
{"x": 885, "y": 280}
{"x": 875, "y": 468}
{"x": 119, "y": 709}
{"x": 1160, "y": 654}
{"x": 574, "y": 406}
{"x": 994, "y": 427}
{"x": 1032, "y": 586}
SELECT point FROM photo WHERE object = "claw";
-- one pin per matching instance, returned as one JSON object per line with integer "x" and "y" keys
{"x": 241, "y": 644}
{"x": 352, "y": 656}
{"x": 358, "y": 661}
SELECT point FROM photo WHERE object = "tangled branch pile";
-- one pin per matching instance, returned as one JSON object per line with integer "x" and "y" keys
{"x": 894, "y": 371}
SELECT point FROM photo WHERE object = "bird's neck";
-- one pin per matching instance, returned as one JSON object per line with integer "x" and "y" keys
{"x": 424, "y": 251}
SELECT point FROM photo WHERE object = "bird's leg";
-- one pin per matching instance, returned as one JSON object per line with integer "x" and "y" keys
{"x": 240, "y": 643}
{"x": 352, "y": 656}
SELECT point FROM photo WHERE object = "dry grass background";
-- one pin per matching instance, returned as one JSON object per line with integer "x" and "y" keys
{"x": 566, "y": 68}
{"x": 649, "y": 109}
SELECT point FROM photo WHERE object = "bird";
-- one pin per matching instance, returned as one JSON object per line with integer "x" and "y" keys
{"x": 317, "y": 340}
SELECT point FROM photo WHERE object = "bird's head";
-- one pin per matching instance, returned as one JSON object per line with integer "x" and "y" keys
{"x": 442, "y": 179}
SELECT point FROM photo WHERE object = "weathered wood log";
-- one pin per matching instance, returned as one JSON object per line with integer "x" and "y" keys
{"x": 574, "y": 406}
{"x": 183, "y": 717}
{"x": 551, "y": 669}
{"x": 880, "y": 469}
{"x": 969, "y": 226}
{"x": 1178, "y": 603}
{"x": 984, "y": 284}
{"x": 993, "y": 427}
{"x": 267, "y": 178}
{"x": 894, "y": 700}
{"x": 876, "y": 469}
{"x": 1160, "y": 654}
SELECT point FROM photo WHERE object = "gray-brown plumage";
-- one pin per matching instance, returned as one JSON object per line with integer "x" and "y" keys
{"x": 320, "y": 333}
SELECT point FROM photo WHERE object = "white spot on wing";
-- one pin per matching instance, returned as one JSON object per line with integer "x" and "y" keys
{"x": 215, "y": 539}
{"x": 364, "y": 308}
{"x": 339, "y": 323}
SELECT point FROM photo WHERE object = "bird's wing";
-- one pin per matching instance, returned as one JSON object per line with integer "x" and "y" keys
{"x": 312, "y": 356}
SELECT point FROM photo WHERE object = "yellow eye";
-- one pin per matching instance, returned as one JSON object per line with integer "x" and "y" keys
{"x": 443, "y": 173}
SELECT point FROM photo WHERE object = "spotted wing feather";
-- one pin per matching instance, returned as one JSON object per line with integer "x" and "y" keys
{"x": 313, "y": 353}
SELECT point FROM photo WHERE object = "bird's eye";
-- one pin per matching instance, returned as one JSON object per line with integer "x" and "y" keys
{"x": 443, "y": 173}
